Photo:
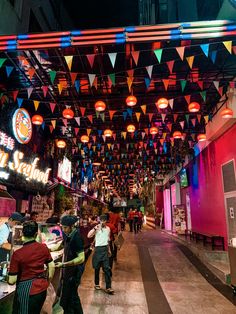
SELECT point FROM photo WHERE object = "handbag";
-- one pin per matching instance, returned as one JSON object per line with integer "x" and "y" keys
{"x": 49, "y": 301}
{"x": 119, "y": 241}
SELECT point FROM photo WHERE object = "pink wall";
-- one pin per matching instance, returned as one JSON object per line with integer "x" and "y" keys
{"x": 206, "y": 190}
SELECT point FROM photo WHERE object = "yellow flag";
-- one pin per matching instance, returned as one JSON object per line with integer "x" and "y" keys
{"x": 144, "y": 107}
{"x": 36, "y": 104}
{"x": 138, "y": 114}
{"x": 69, "y": 60}
{"x": 89, "y": 131}
{"x": 190, "y": 61}
{"x": 228, "y": 46}
{"x": 53, "y": 123}
{"x": 206, "y": 118}
{"x": 130, "y": 82}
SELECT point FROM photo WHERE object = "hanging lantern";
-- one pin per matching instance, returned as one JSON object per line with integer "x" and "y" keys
{"x": 193, "y": 107}
{"x": 68, "y": 113}
{"x": 162, "y": 103}
{"x": 100, "y": 106}
{"x": 154, "y": 130}
{"x": 37, "y": 119}
{"x": 177, "y": 135}
{"x": 131, "y": 101}
{"x": 84, "y": 139}
{"x": 61, "y": 144}
{"x": 201, "y": 137}
{"x": 130, "y": 128}
{"x": 96, "y": 163}
{"x": 108, "y": 133}
{"x": 227, "y": 113}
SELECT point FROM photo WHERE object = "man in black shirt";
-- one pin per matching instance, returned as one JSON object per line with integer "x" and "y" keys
{"x": 72, "y": 266}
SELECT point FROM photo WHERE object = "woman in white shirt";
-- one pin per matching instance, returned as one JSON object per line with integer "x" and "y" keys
{"x": 101, "y": 253}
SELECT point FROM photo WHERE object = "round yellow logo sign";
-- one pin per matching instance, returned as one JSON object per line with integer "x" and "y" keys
{"x": 22, "y": 126}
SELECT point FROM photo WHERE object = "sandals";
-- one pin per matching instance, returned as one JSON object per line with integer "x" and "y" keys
{"x": 97, "y": 287}
{"x": 109, "y": 291}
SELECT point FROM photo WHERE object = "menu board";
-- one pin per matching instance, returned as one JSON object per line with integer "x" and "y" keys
{"x": 179, "y": 217}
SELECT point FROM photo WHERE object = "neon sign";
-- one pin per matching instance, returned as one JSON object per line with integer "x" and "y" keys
{"x": 6, "y": 141}
{"x": 22, "y": 126}
{"x": 28, "y": 169}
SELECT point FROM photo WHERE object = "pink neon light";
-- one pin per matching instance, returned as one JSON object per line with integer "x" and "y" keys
{"x": 91, "y": 42}
{"x": 38, "y": 46}
{"x": 102, "y": 31}
{"x": 79, "y": 38}
{"x": 35, "y": 41}
{"x": 8, "y": 37}
{"x": 41, "y": 35}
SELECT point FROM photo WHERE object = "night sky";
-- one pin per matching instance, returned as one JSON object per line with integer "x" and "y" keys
{"x": 103, "y": 13}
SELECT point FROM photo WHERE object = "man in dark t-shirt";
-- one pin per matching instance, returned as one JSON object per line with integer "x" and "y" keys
{"x": 72, "y": 266}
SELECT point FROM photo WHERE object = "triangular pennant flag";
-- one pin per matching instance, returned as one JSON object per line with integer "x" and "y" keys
{"x": 77, "y": 119}
{"x": 124, "y": 135}
{"x": 163, "y": 116}
{"x": 9, "y": 69}
{"x": 65, "y": 122}
{"x": 112, "y": 78}
{"x": 63, "y": 129}
{"x": 213, "y": 56}
{"x": 99, "y": 132}
{"x": 43, "y": 125}
{"x": 147, "y": 82}
{"x": 166, "y": 83}
{"x": 171, "y": 103}
{"x": 144, "y": 108}
{"x": 206, "y": 118}
{"x": 149, "y": 70}
{"x": 169, "y": 126}
{"x": 89, "y": 131}
{"x": 143, "y": 135}
{"x": 112, "y": 57}
{"x": 200, "y": 84}
{"x": 125, "y": 113}
{"x": 129, "y": 82}
{"x": 52, "y": 75}
{"x": 187, "y": 118}
{"x": 150, "y": 115}
{"x": 45, "y": 90}
{"x": 158, "y": 54}
{"x": 91, "y": 59}
{"x": 77, "y": 85}
{"x": 52, "y": 106}
{"x": 14, "y": 94}
{"x": 69, "y": 60}
{"x": 36, "y": 104}
{"x": 130, "y": 112}
{"x": 193, "y": 122}
{"x": 228, "y": 46}
{"x": 53, "y": 122}
{"x": 51, "y": 128}
{"x": 135, "y": 55}
{"x": 82, "y": 109}
{"x": 29, "y": 91}
{"x": 180, "y": 51}
{"x": 190, "y": 61}
{"x": 31, "y": 72}
{"x": 102, "y": 115}
{"x": 73, "y": 76}
{"x": 97, "y": 114}
{"x": 182, "y": 124}
{"x": 91, "y": 79}
{"x": 95, "y": 83}
{"x": 114, "y": 136}
{"x": 199, "y": 117}
{"x": 203, "y": 94}
{"x": 175, "y": 117}
{"x": 187, "y": 98}
{"x": 111, "y": 113}
{"x": 221, "y": 90}
{"x": 60, "y": 88}
{"x": 216, "y": 84}
{"x": 90, "y": 117}
{"x": 76, "y": 131}
{"x": 183, "y": 84}
{"x": 2, "y": 60}
{"x": 19, "y": 102}
{"x": 170, "y": 65}
{"x": 162, "y": 141}
{"x": 138, "y": 115}
{"x": 205, "y": 49}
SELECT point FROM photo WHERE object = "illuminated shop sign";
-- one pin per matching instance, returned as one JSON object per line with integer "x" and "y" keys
{"x": 22, "y": 126}
{"x": 16, "y": 163}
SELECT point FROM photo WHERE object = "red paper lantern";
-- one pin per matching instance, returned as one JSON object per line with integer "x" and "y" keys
{"x": 84, "y": 139}
{"x": 108, "y": 133}
{"x": 193, "y": 107}
{"x": 131, "y": 101}
{"x": 61, "y": 144}
{"x": 154, "y": 130}
{"x": 177, "y": 135}
{"x": 68, "y": 113}
{"x": 96, "y": 163}
{"x": 100, "y": 106}
{"x": 162, "y": 103}
{"x": 201, "y": 137}
{"x": 227, "y": 113}
{"x": 131, "y": 128}
{"x": 37, "y": 119}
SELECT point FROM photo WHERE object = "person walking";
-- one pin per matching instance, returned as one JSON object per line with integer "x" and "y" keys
{"x": 72, "y": 266}
{"x": 101, "y": 253}
{"x": 27, "y": 271}
{"x": 131, "y": 219}
{"x": 136, "y": 218}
